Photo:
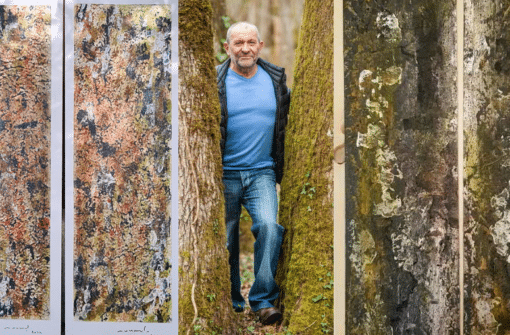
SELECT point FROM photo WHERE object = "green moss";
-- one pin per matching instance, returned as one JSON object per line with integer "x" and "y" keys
{"x": 306, "y": 190}
{"x": 201, "y": 116}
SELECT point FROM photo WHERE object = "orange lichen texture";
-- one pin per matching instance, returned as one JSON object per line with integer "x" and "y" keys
{"x": 122, "y": 136}
{"x": 24, "y": 161}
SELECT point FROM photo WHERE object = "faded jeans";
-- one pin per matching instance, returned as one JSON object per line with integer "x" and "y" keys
{"x": 256, "y": 191}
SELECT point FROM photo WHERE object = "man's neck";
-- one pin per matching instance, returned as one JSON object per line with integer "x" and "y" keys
{"x": 245, "y": 72}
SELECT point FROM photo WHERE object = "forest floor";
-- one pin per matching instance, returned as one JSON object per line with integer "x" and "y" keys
{"x": 250, "y": 323}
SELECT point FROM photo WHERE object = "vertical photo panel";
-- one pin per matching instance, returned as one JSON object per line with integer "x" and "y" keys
{"x": 402, "y": 254}
{"x": 25, "y": 131}
{"x": 122, "y": 163}
{"x": 487, "y": 167}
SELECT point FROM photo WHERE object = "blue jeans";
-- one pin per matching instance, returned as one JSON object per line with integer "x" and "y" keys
{"x": 256, "y": 191}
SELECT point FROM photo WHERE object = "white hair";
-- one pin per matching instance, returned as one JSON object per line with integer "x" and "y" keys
{"x": 244, "y": 25}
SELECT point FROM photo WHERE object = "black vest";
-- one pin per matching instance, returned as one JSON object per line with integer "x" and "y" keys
{"x": 282, "y": 94}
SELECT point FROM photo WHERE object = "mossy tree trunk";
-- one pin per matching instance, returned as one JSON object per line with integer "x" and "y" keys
{"x": 401, "y": 167}
{"x": 204, "y": 285}
{"x": 306, "y": 212}
{"x": 487, "y": 166}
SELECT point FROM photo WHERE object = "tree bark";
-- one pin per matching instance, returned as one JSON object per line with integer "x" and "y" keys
{"x": 487, "y": 167}
{"x": 219, "y": 29}
{"x": 204, "y": 284}
{"x": 401, "y": 167}
{"x": 306, "y": 207}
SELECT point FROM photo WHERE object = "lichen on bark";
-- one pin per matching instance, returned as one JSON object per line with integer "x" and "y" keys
{"x": 400, "y": 95}
{"x": 487, "y": 166}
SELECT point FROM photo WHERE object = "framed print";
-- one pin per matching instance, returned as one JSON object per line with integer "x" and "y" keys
{"x": 30, "y": 169}
{"x": 120, "y": 262}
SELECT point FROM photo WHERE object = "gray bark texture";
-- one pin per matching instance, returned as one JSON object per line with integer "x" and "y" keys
{"x": 401, "y": 167}
{"x": 487, "y": 166}
{"x": 205, "y": 306}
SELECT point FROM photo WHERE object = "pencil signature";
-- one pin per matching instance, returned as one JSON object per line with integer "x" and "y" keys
{"x": 23, "y": 328}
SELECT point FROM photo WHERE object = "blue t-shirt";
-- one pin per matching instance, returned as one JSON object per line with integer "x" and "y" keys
{"x": 251, "y": 105}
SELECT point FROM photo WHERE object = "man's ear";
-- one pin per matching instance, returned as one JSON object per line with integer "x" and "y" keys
{"x": 225, "y": 46}
{"x": 261, "y": 44}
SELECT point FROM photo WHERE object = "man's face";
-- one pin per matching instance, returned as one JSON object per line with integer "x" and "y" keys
{"x": 243, "y": 49}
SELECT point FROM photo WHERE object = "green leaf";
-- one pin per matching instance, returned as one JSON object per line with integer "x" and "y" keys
{"x": 317, "y": 298}
{"x": 226, "y": 21}
{"x": 221, "y": 56}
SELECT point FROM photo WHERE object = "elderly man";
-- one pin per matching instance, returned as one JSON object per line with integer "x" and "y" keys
{"x": 254, "y": 102}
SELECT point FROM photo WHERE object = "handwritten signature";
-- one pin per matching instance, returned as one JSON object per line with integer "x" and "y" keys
{"x": 133, "y": 330}
{"x": 23, "y": 328}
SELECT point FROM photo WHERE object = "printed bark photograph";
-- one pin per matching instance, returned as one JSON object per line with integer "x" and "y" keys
{"x": 297, "y": 54}
{"x": 487, "y": 167}
{"x": 25, "y": 90}
{"x": 401, "y": 168}
{"x": 422, "y": 259}
{"x": 122, "y": 163}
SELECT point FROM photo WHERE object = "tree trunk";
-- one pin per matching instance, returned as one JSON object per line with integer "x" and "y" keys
{"x": 219, "y": 29}
{"x": 401, "y": 167}
{"x": 487, "y": 166}
{"x": 306, "y": 207}
{"x": 204, "y": 284}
